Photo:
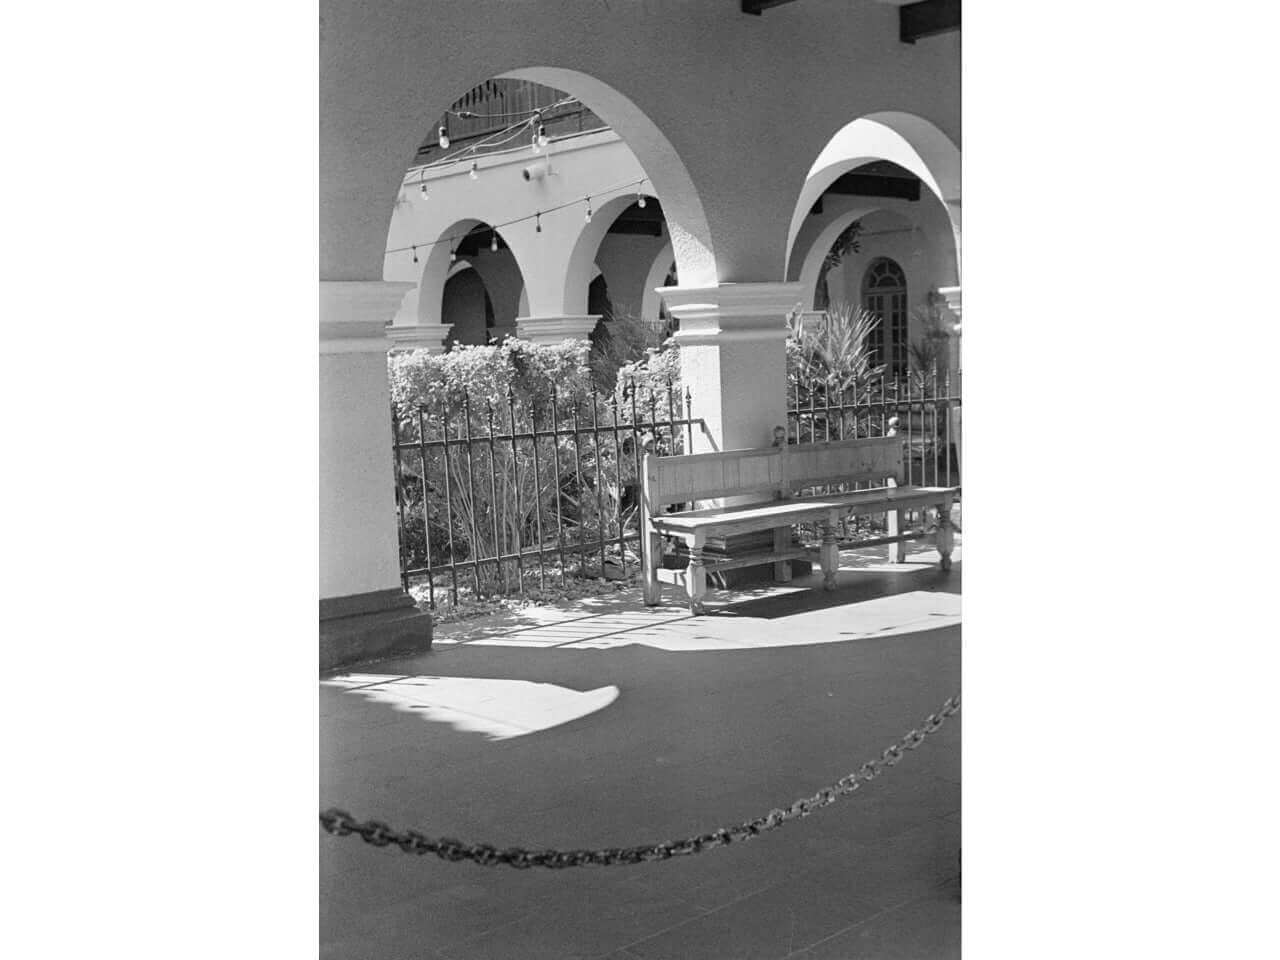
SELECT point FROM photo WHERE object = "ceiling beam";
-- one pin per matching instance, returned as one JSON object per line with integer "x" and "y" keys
{"x": 637, "y": 228}
{"x": 873, "y": 185}
{"x": 756, "y": 6}
{"x": 927, "y": 18}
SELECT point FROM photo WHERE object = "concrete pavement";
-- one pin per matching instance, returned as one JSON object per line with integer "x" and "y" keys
{"x": 611, "y": 724}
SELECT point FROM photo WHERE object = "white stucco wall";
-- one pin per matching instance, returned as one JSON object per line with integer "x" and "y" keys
{"x": 727, "y": 112}
{"x": 579, "y": 167}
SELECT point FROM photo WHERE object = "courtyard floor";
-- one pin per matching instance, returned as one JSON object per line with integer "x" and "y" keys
{"x": 606, "y": 723}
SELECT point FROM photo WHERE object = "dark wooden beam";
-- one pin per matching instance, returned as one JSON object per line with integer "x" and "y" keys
{"x": 756, "y": 6}
{"x": 927, "y": 19}
{"x": 873, "y": 185}
{"x": 637, "y": 228}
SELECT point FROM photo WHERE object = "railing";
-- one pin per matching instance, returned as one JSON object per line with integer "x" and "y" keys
{"x": 923, "y": 410}
{"x": 497, "y": 498}
{"x": 496, "y": 105}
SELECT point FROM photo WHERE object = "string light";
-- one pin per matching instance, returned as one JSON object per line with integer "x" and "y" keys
{"x": 444, "y": 137}
{"x": 588, "y": 216}
{"x": 475, "y": 175}
{"x": 536, "y": 217}
{"x": 639, "y": 199}
{"x": 453, "y": 255}
{"x": 415, "y": 254}
{"x": 493, "y": 242}
{"x": 542, "y": 135}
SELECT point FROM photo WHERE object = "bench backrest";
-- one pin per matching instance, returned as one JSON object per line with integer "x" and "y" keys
{"x": 770, "y": 473}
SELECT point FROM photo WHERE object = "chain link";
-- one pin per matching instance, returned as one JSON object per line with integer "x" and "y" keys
{"x": 379, "y": 834}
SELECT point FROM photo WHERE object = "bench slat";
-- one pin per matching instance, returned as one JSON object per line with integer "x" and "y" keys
{"x": 785, "y": 512}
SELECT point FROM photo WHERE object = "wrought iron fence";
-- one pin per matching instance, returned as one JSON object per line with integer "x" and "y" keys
{"x": 497, "y": 497}
{"x": 923, "y": 410}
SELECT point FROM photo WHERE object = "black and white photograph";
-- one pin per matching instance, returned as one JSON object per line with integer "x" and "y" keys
{"x": 515, "y": 480}
{"x": 641, "y": 462}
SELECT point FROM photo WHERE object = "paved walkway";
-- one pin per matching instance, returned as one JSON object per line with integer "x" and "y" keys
{"x": 610, "y": 724}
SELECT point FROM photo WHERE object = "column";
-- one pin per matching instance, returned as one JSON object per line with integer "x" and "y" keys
{"x": 733, "y": 358}
{"x": 364, "y": 612}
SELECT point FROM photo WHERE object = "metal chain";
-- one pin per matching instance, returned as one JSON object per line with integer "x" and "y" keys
{"x": 379, "y": 834}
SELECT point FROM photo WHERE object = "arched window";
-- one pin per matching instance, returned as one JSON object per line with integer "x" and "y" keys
{"x": 884, "y": 293}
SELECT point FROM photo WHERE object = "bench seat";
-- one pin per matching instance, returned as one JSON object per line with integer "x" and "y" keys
{"x": 743, "y": 518}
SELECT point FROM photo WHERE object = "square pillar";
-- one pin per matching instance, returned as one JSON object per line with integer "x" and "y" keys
{"x": 733, "y": 359}
{"x": 364, "y": 611}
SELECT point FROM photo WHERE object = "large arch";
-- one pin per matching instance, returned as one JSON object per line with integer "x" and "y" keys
{"x": 910, "y": 141}
{"x": 687, "y": 221}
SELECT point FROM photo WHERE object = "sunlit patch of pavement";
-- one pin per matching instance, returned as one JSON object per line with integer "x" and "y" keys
{"x": 500, "y": 709}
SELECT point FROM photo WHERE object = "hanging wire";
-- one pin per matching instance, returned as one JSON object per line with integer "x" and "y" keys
{"x": 451, "y": 240}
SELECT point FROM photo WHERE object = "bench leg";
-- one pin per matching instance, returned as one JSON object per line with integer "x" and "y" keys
{"x": 652, "y": 563}
{"x": 946, "y": 535}
{"x": 782, "y": 541}
{"x": 897, "y": 551}
{"x": 829, "y": 554}
{"x": 695, "y": 577}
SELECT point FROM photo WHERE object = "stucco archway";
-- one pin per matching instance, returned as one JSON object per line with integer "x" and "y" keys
{"x": 581, "y": 267}
{"x": 910, "y": 141}
{"x": 690, "y": 232}
{"x": 441, "y": 261}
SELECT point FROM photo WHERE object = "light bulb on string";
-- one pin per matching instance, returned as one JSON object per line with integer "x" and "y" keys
{"x": 640, "y": 200}
{"x": 475, "y": 174}
{"x": 422, "y": 184}
{"x": 493, "y": 242}
{"x": 542, "y": 136}
{"x": 588, "y": 216}
{"x": 537, "y": 222}
{"x": 444, "y": 137}
{"x": 415, "y": 254}
{"x": 453, "y": 255}
{"x": 536, "y": 122}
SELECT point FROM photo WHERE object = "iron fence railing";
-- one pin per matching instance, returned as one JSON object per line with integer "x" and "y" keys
{"x": 497, "y": 496}
{"x": 923, "y": 410}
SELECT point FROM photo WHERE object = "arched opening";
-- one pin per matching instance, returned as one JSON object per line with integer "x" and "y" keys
{"x": 664, "y": 170}
{"x": 466, "y": 308}
{"x": 869, "y": 155}
{"x": 469, "y": 278}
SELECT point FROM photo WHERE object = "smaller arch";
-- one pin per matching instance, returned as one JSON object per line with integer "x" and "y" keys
{"x": 581, "y": 265}
{"x": 439, "y": 266}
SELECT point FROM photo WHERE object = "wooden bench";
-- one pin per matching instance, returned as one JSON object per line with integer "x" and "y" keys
{"x": 768, "y": 481}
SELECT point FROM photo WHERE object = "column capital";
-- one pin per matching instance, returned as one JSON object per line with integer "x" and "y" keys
{"x": 354, "y": 314}
{"x": 952, "y": 297}
{"x": 419, "y": 336}
{"x": 556, "y": 328}
{"x": 727, "y": 312}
